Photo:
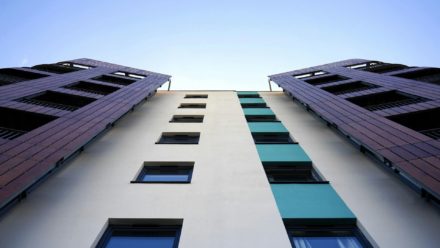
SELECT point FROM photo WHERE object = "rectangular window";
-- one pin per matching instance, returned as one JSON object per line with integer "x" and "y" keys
{"x": 179, "y": 138}
{"x": 428, "y": 75}
{"x": 309, "y": 74}
{"x": 196, "y": 96}
{"x": 272, "y": 138}
{"x": 254, "y": 105}
{"x": 426, "y": 122}
{"x": 384, "y": 100}
{"x": 325, "y": 79}
{"x": 160, "y": 233}
{"x": 56, "y": 68}
{"x": 92, "y": 88}
{"x": 131, "y": 75}
{"x": 261, "y": 118}
{"x": 57, "y": 100}
{"x": 10, "y": 76}
{"x": 291, "y": 173}
{"x": 114, "y": 80}
{"x": 248, "y": 94}
{"x": 315, "y": 235}
{"x": 165, "y": 172}
{"x": 14, "y": 123}
{"x": 187, "y": 118}
{"x": 349, "y": 88}
{"x": 384, "y": 68}
{"x": 75, "y": 65}
{"x": 193, "y": 105}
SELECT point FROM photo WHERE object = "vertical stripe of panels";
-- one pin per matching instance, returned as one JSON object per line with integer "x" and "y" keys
{"x": 295, "y": 201}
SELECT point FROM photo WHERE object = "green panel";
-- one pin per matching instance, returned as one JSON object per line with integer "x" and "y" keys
{"x": 252, "y": 100}
{"x": 278, "y": 153}
{"x": 309, "y": 201}
{"x": 244, "y": 93}
{"x": 267, "y": 127}
{"x": 258, "y": 111}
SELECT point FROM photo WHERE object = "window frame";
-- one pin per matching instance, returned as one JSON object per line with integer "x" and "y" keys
{"x": 284, "y": 169}
{"x": 181, "y": 119}
{"x": 184, "y": 165}
{"x": 196, "y": 96}
{"x": 192, "y": 106}
{"x": 129, "y": 226}
{"x": 161, "y": 140}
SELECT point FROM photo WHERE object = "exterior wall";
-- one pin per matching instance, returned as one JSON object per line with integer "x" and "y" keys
{"x": 389, "y": 211}
{"x": 229, "y": 202}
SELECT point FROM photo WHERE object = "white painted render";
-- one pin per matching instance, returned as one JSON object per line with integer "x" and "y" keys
{"x": 391, "y": 212}
{"x": 228, "y": 203}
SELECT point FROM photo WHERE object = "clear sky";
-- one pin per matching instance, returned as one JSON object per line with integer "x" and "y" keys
{"x": 219, "y": 44}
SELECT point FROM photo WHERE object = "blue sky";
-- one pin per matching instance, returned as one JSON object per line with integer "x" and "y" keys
{"x": 219, "y": 44}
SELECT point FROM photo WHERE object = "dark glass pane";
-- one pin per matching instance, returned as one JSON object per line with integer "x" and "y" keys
{"x": 165, "y": 178}
{"x": 140, "y": 242}
{"x": 326, "y": 242}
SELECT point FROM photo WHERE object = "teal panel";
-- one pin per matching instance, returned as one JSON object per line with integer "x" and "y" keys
{"x": 252, "y": 100}
{"x": 243, "y": 93}
{"x": 278, "y": 153}
{"x": 258, "y": 111}
{"x": 267, "y": 127}
{"x": 310, "y": 201}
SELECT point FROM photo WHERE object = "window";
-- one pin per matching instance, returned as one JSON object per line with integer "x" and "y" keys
{"x": 196, "y": 96}
{"x": 179, "y": 138}
{"x": 291, "y": 173}
{"x": 193, "y": 105}
{"x": 57, "y": 100}
{"x": 165, "y": 172}
{"x": 254, "y": 105}
{"x": 349, "y": 88}
{"x": 384, "y": 100}
{"x": 254, "y": 95}
{"x": 159, "y": 233}
{"x": 187, "y": 118}
{"x": 328, "y": 235}
{"x": 272, "y": 138}
{"x": 131, "y": 75}
{"x": 114, "y": 80}
{"x": 426, "y": 122}
{"x": 325, "y": 79}
{"x": 75, "y": 65}
{"x": 92, "y": 88}
{"x": 384, "y": 68}
{"x": 10, "y": 76}
{"x": 261, "y": 118}
{"x": 56, "y": 68}
{"x": 428, "y": 75}
{"x": 14, "y": 123}
{"x": 309, "y": 74}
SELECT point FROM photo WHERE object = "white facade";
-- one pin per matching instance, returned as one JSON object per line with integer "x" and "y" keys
{"x": 229, "y": 202}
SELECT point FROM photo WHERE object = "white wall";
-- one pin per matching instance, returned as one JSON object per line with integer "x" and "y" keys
{"x": 392, "y": 213}
{"x": 228, "y": 203}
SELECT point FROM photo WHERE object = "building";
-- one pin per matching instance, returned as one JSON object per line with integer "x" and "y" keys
{"x": 211, "y": 168}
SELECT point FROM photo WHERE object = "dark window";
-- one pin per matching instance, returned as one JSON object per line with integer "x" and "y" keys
{"x": 286, "y": 173}
{"x": 196, "y": 96}
{"x": 261, "y": 118}
{"x": 325, "y": 79}
{"x": 75, "y": 65}
{"x": 362, "y": 66}
{"x": 272, "y": 138}
{"x": 165, "y": 172}
{"x": 193, "y": 105}
{"x": 57, "y": 100}
{"x": 14, "y": 123}
{"x": 179, "y": 138}
{"x": 92, "y": 88}
{"x": 187, "y": 118}
{"x": 429, "y": 75}
{"x": 349, "y": 88}
{"x": 56, "y": 68}
{"x": 426, "y": 122}
{"x": 384, "y": 100}
{"x": 326, "y": 235}
{"x": 254, "y": 105}
{"x": 256, "y": 95}
{"x": 158, "y": 233}
{"x": 114, "y": 79}
{"x": 309, "y": 74}
{"x": 130, "y": 75}
{"x": 10, "y": 76}
{"x": 384, "y": 68}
